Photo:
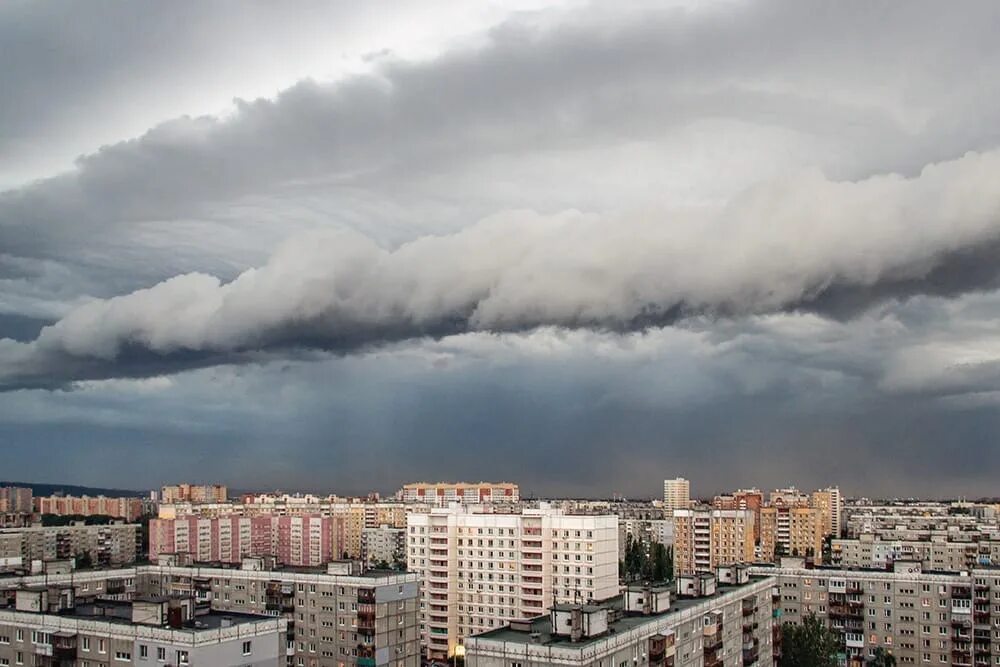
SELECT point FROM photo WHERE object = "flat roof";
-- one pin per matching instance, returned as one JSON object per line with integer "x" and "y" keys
{"x": 543, "y": 624}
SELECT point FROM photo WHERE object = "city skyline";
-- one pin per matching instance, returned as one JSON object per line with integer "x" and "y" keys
{"x": 580, "y": 246}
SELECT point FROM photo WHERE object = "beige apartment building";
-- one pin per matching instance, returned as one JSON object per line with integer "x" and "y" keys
{"x": 444, "y": 493}
{"x": 676, "y": 494}
{"x": 871, "y": 551}
{"x": 193, "y": 493}
{"x": 795, "y": 531}
{"x": 480, "y": 570}
{"x": 706, "y": 539}
{"x": 831, "y": 504}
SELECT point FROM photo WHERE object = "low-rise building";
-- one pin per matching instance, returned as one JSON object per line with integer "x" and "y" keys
{"x": 127, "y": 508}
{"x": 444, "y": 493}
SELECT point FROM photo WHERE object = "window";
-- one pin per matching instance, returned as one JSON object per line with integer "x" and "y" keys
{"x": 161, "y": 654}
{"x": 247, "y": 648}
{"x": 86, "y": 643}
{"x": 143, "y": 651}
{"x": 124, "y": 656}
{"x": 100, "y": 646}
{"x": 182, "y": 657}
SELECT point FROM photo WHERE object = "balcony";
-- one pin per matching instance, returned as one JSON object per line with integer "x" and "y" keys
{"x": 366, "y": 595}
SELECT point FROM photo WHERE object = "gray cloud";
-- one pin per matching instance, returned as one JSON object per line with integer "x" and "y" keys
{"x": 778, "y": 246}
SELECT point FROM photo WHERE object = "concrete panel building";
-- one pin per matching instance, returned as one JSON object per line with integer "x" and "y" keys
{"x": 705, "y": 539}
{"x": 482, "y": 570}
{"x": 676, "y": 494}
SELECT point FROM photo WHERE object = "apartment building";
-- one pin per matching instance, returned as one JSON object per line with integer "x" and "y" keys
{"x": 743, "y": 499}
{"x": 46, "y": 625}
{"x": 921, "y": 618}
{"x": 130, "y": 509}
{"x": 795, "y": 530}
{"x": 831, "y": 505}
{"x": 444, "y": 493}
{"x": 676, "y": 494}
{"x": 384, "y": 544}
{"x": 871, "y": 551}
{"x": 705, "y": 539}
{"x": 107, "y": 545}
{"x": 15, "y": 500}
{"x": 291, "y": 540}
{"x": 193, "y": 493}
{"x": 333, "y": 617}
{"x": 646, "y": 626}
{"x": 482, "y": 570}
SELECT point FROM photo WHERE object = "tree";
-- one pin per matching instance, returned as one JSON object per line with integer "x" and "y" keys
{"x": 882, "y": 658}
{"x": 662, "y": 563}
{"x": 811, "y": 644}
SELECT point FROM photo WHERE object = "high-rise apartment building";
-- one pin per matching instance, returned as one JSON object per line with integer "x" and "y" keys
{"x": 676, "y": 494}
{"x": 444, "y": 493}
{"x": 384, "y": 544}
{"x": 15, "y": 499}
{"x": 792, "y": 531}
{"x": 193, "y": 493}
{"x": 744, "y": 499}
{"x": 291, "y": 540}
{"x": 481, "y": 570}
{"x": 706, "y": 539}
{"x": 127, "y": 508}
{"x": 831, "y": 504}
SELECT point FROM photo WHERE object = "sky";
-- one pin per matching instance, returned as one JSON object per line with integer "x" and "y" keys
{"x": 583, "y": 246}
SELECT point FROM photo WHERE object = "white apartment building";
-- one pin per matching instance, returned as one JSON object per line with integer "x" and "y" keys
{"x": 676, "y": 494}
{"x": 482, "y": 570}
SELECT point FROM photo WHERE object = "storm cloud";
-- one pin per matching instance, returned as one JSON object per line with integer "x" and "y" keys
{"x": 615, "y": 223}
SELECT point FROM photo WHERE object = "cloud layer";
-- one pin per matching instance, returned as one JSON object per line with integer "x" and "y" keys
{"x": 775, "y": 247}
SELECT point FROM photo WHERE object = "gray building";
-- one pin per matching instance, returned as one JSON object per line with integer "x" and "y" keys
{"x": 106, "y": 545}
{"x": 333, "y": 617}
{"x": 725, "y": 624}
{"x": 920, "y": 617}
{"x": 47, "y": 625}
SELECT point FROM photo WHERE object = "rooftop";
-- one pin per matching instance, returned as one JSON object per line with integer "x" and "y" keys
{"x": 542, "y": 625}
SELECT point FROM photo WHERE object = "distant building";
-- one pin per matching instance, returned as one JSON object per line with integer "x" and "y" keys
{"x": 831, "y": 504}
{"x": 706, "y": 539}
{"x": 676, "y": 494}
{"x": 127, "y": 508}
{"x": 193, "y": 493}
{"x": 291, "y": 540}
{"x": 384, "y": 544}
{"x": 46, "y": 625}
{"x": 15, "y": 500}
{"x": 792, "y": 531}
{"x": 484, "y": 570}
{"x": 443, "y": 493}
{"x": 107, "y": 545}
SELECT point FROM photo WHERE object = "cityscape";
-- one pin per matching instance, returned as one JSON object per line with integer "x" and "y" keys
{"x": 499, "y": 333}
{"x": 444, "y": 571}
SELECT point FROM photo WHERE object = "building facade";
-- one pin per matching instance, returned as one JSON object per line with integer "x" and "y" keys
{"x": 676, "y": 494}
{"x": 291, "y": 540}
{"x": 443, "y": 493}
{"x": 384, "y": 544}
{"x": 482, "y": 570}
{"x": 194, "y": 493}
{"x": 47, "y": 626}
{"x": 15, "y": 500}
{"x": 127, "y": 508}
{"x": 106, "y": 545}
{"x": 331, "y": 617}
{"x": 921, "y": 618}
{"x": 794, "y": 531}
{"x": 644, "y": 627}
{"x": 706, "y": 539}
